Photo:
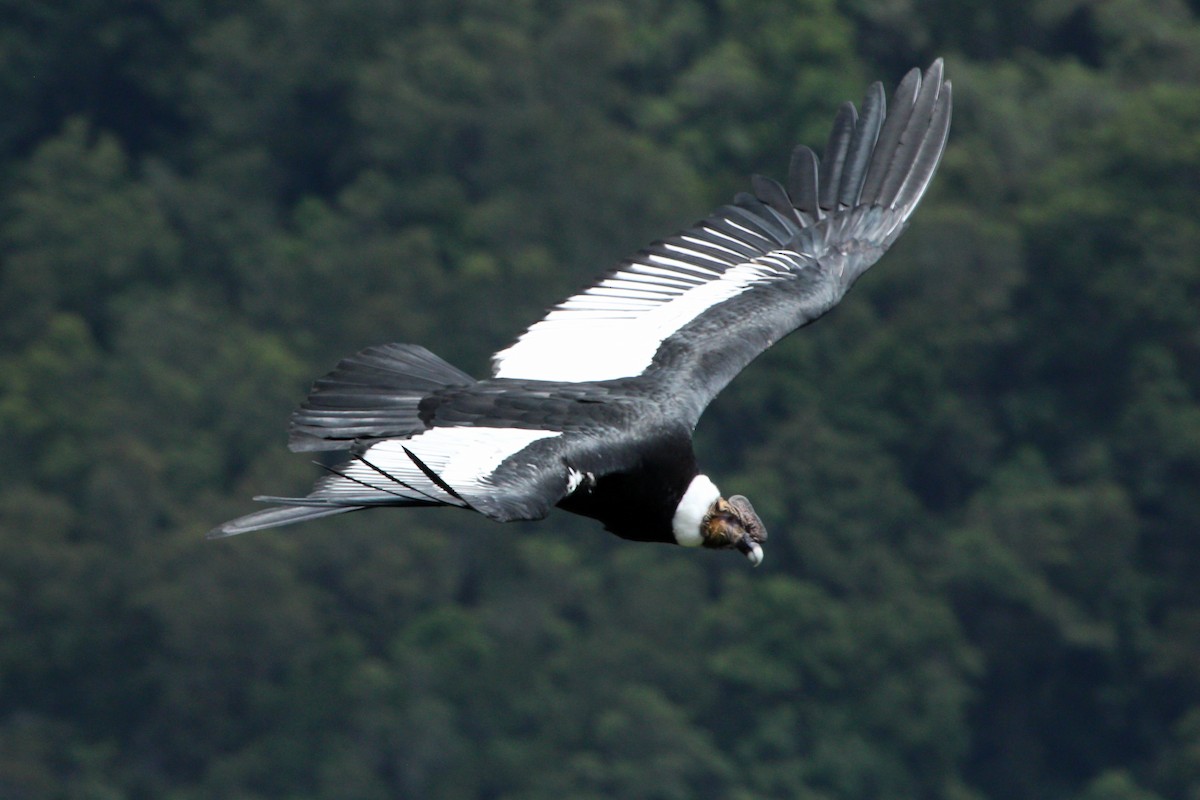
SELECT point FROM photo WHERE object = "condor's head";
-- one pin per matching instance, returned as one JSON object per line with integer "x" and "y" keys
{"x": 733, "y": 524}
{"x": 705, "y": 518}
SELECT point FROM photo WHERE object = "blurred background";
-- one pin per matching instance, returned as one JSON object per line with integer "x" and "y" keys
{"x": 980, "y": 472}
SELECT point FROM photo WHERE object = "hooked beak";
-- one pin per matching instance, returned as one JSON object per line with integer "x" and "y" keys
{"x": 751, "y": 550}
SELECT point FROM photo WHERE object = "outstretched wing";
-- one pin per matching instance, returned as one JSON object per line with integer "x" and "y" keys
{"x": 503, "y": 473}
{"x": 690, "y": 312}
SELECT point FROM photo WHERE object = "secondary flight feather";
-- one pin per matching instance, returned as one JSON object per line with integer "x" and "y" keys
{"x": 592, "y": 409}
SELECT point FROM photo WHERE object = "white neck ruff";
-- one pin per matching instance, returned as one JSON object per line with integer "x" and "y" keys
{"x": 693, "y": 506}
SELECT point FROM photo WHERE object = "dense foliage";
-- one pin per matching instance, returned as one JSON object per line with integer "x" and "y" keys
{"x": 980, "y": 472}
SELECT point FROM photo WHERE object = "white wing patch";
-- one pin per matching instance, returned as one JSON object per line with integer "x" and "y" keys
{"x": 464, "y": 459}
{"x": 613, "y": 329}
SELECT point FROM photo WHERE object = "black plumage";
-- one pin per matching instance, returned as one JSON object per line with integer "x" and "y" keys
{"x": 593, "y": 408}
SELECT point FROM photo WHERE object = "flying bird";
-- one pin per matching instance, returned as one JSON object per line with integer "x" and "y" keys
{"x": 592, "y": 409}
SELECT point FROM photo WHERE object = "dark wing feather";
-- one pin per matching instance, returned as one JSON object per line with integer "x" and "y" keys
{"x": 887, "y": 148}
{"x": 802, "y": 185}
{"x": 861, "y": 147}
{"x": 927, "y": 156}
{"x": 770, "y": 192}
{"x": 836, "y": 151}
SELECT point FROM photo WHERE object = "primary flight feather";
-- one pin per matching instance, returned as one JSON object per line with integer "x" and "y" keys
{"x": 592, "y": 409}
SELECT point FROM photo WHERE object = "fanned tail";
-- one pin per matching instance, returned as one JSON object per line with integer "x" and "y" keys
{"x": 372, "y": 395}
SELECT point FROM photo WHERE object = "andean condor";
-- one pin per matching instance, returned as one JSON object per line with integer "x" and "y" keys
{"x": 592, "y": 408}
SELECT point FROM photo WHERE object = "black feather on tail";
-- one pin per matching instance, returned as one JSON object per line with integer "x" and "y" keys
{"x": 372, "y": 395}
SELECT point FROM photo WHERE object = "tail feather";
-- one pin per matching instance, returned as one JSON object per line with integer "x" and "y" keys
{"x": 275, "y": 517}
{"x": 374, "y": 394}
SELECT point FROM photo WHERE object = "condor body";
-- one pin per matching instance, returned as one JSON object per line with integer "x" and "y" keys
{"x": 592, "y": 409}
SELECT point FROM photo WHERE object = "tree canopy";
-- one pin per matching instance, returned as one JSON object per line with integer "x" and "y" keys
{"x": 980, "y": 472}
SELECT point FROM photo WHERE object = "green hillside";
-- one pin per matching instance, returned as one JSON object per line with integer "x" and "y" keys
{"x": 981, "y": 472}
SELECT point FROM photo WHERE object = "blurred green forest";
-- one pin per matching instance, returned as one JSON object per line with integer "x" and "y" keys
{"x": 981, "y": 472}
